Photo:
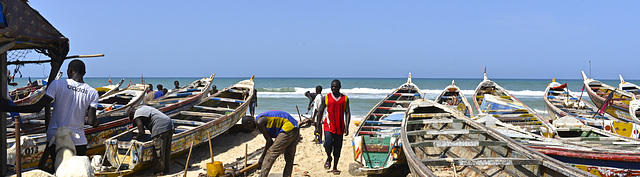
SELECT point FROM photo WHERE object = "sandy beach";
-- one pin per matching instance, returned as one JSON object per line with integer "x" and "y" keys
{"x": 228, "y": 147}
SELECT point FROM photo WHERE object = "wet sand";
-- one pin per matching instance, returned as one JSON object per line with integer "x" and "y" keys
{"x": 310, "y": 157}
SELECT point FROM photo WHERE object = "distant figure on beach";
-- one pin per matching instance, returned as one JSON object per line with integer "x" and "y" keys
{"x": 253, "y": 103}
{"x": 150, "y": 94}
{"x": 176, "y": 85}
{"x": 335, "y": 125}
{"x": 214, "y": 89}
{"x": 161, "y": 129}
{"x": 158, "y": 93}
{"x": 284, "y": 128}
{"x": 165, "y": 91}
{"x": 315, "y": 99}
{"x": 74, "y": 100}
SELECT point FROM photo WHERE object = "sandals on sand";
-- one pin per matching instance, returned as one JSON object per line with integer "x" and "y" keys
{"x": 335, "y": 172}
{"x": 327, "y": 164}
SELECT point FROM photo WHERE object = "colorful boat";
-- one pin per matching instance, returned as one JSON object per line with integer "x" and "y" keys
{"x": 376, "y": 144}
{"x": 183, "y": 98}
{"x": 619, "y": 105}
{"x": 108, "y": 89}
{"x": 452, "y": 96}
{"x": 593, "y": 150}
{"x": 213, "y": 116}
{"x": 629, "y": 87}
{"x": 441, "y": 141}
{"x": 112, "y": 122}
{"x": 561, "y": 102}
{"x": 490, "y": 98}
{"x": 31, "y": 93}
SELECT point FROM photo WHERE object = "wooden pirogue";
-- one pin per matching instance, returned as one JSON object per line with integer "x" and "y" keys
{"x": 561, "y": 102}
{"x": 440, "y": 141}
{"x": 108, "y": 89}
{"x": 213, "y": 115}
{"x": 619, "y": 104}
{"x": 30, "y": 94}
{"x": 490, "y": 98}
{"x": 376, "y": 146}
{"x": 452, "y": 96}
{"x": 111, "y": 121}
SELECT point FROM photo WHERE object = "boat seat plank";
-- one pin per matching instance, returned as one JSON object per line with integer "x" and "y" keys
{"x": 435, "y": 121}
{"x": 406, "y": 94}
{"x": 227, "y": 100}
{"x": 214, "y": 108}
{"x": 146, "y": 131}
{"x": 459, "y": 143}
{"x": 445, "y": 132}
{"x": 371, "y": 122}
{"x": 398, "y": 101}
{"x": 379, "y": 133}
{"x": 381, "y": 127}
{"x": 480, "y": 161}
{"x": 235, "y": 91}
{"x": 414, "y": 115}
{"x": 204, "y": 114}
{"x": 392, "y": 108}
{"x": 187, "y": 122}
{"x": 185, "y": 127}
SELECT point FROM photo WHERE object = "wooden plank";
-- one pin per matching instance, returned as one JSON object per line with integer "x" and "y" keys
{"x": 187, "y": 122}
{"x": 459, "y": 143}
{"x": 435, "y": 121}
{"x": 204, "y": 114}
{"x": 227, "y": 100}
{"x": 379, "y": 133}
{"x": 406, "y": 94}
{"x": 511, "y": 119}
{"x": 184, "y": 127}
{"x": 445, "y": 132}
{"x": 381, "y": 127}
{"x": 214, "y": 108}
{"x": 398, "y": 101}
{"x": 499, "y": 161}
{"x": 414, "y": 115}
{"x": 371, "y": 122}
{"x": 392, "y": 108}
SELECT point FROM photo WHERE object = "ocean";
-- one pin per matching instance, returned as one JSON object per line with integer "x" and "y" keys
{"x": 364, "y": 93}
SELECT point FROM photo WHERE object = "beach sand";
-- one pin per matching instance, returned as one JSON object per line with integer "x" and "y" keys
{"x": 310, "y": 157}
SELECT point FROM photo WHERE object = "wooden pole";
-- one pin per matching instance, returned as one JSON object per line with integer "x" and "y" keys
{"x": 246, "y": 147}
{"x": 186, "y": 165}
{"x": 17, "y": 144}
{"x": 210, "y": 148}
{"x": 3, "y": 115}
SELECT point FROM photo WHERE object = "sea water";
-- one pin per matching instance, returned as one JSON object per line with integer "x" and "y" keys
{"x": 363, "y": 93}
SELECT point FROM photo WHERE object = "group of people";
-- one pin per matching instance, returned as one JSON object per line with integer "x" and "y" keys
{"x": 282, "y": 132}
{"x": 74, "y": 99}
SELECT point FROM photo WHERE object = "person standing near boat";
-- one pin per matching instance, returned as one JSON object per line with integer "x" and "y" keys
{"x": 161, "y": 128}
{"x": 253, "y": 103}
{"x": 284, "y": 128}
{"x": 336, "y": 123}
{"x": 74, "y": 100}
{"x": 176, "y": 85}
{"x": 315, "y": 99}
{"x": 158, "y": 93}
{"x": 149, "y": 94}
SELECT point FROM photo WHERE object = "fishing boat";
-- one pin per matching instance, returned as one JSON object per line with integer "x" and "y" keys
{"x": 593, "y": 150}
{"x": 452, "y": 96}
{"x": 211, "y": 117}
{"x": 183, "y": 98}
{"x": 629, "y": 87}
{"x": 110, "y": 114}
{"x": 490, "y": 98}
{"x": 441, "y": 141}
{"x": 376, "y": 142}
{"x": 561, "y": 102}
{"x": 108, "y": 89}
{"x": 31, "y": 93}
{"x": 617, "y": 105}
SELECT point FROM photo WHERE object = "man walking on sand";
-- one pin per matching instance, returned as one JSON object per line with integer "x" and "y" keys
{"x": 336, "y": 124}
{"x": 284, "y": 128}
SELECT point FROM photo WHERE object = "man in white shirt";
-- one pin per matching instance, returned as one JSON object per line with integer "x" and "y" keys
{"x": 73, "y": 100}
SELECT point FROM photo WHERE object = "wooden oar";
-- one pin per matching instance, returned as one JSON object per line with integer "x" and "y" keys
{"x": 186, "y": 165}
{"x": 210, "y": 149}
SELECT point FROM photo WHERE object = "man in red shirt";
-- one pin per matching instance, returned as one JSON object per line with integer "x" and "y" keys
{"x": 336, "y": 125}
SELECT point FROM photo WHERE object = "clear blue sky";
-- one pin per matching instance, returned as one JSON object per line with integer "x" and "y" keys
{"x": 356, "y": 38}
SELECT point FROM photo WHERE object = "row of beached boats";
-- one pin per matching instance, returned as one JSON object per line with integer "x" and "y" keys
{"x": 505, "y": 137}
{"x": 196, "y": 114}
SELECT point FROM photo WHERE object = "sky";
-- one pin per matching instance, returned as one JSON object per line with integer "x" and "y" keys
{"x": 355, "y": 38}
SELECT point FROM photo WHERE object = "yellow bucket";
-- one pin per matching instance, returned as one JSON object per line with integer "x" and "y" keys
{"x": 215, "y": 169}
